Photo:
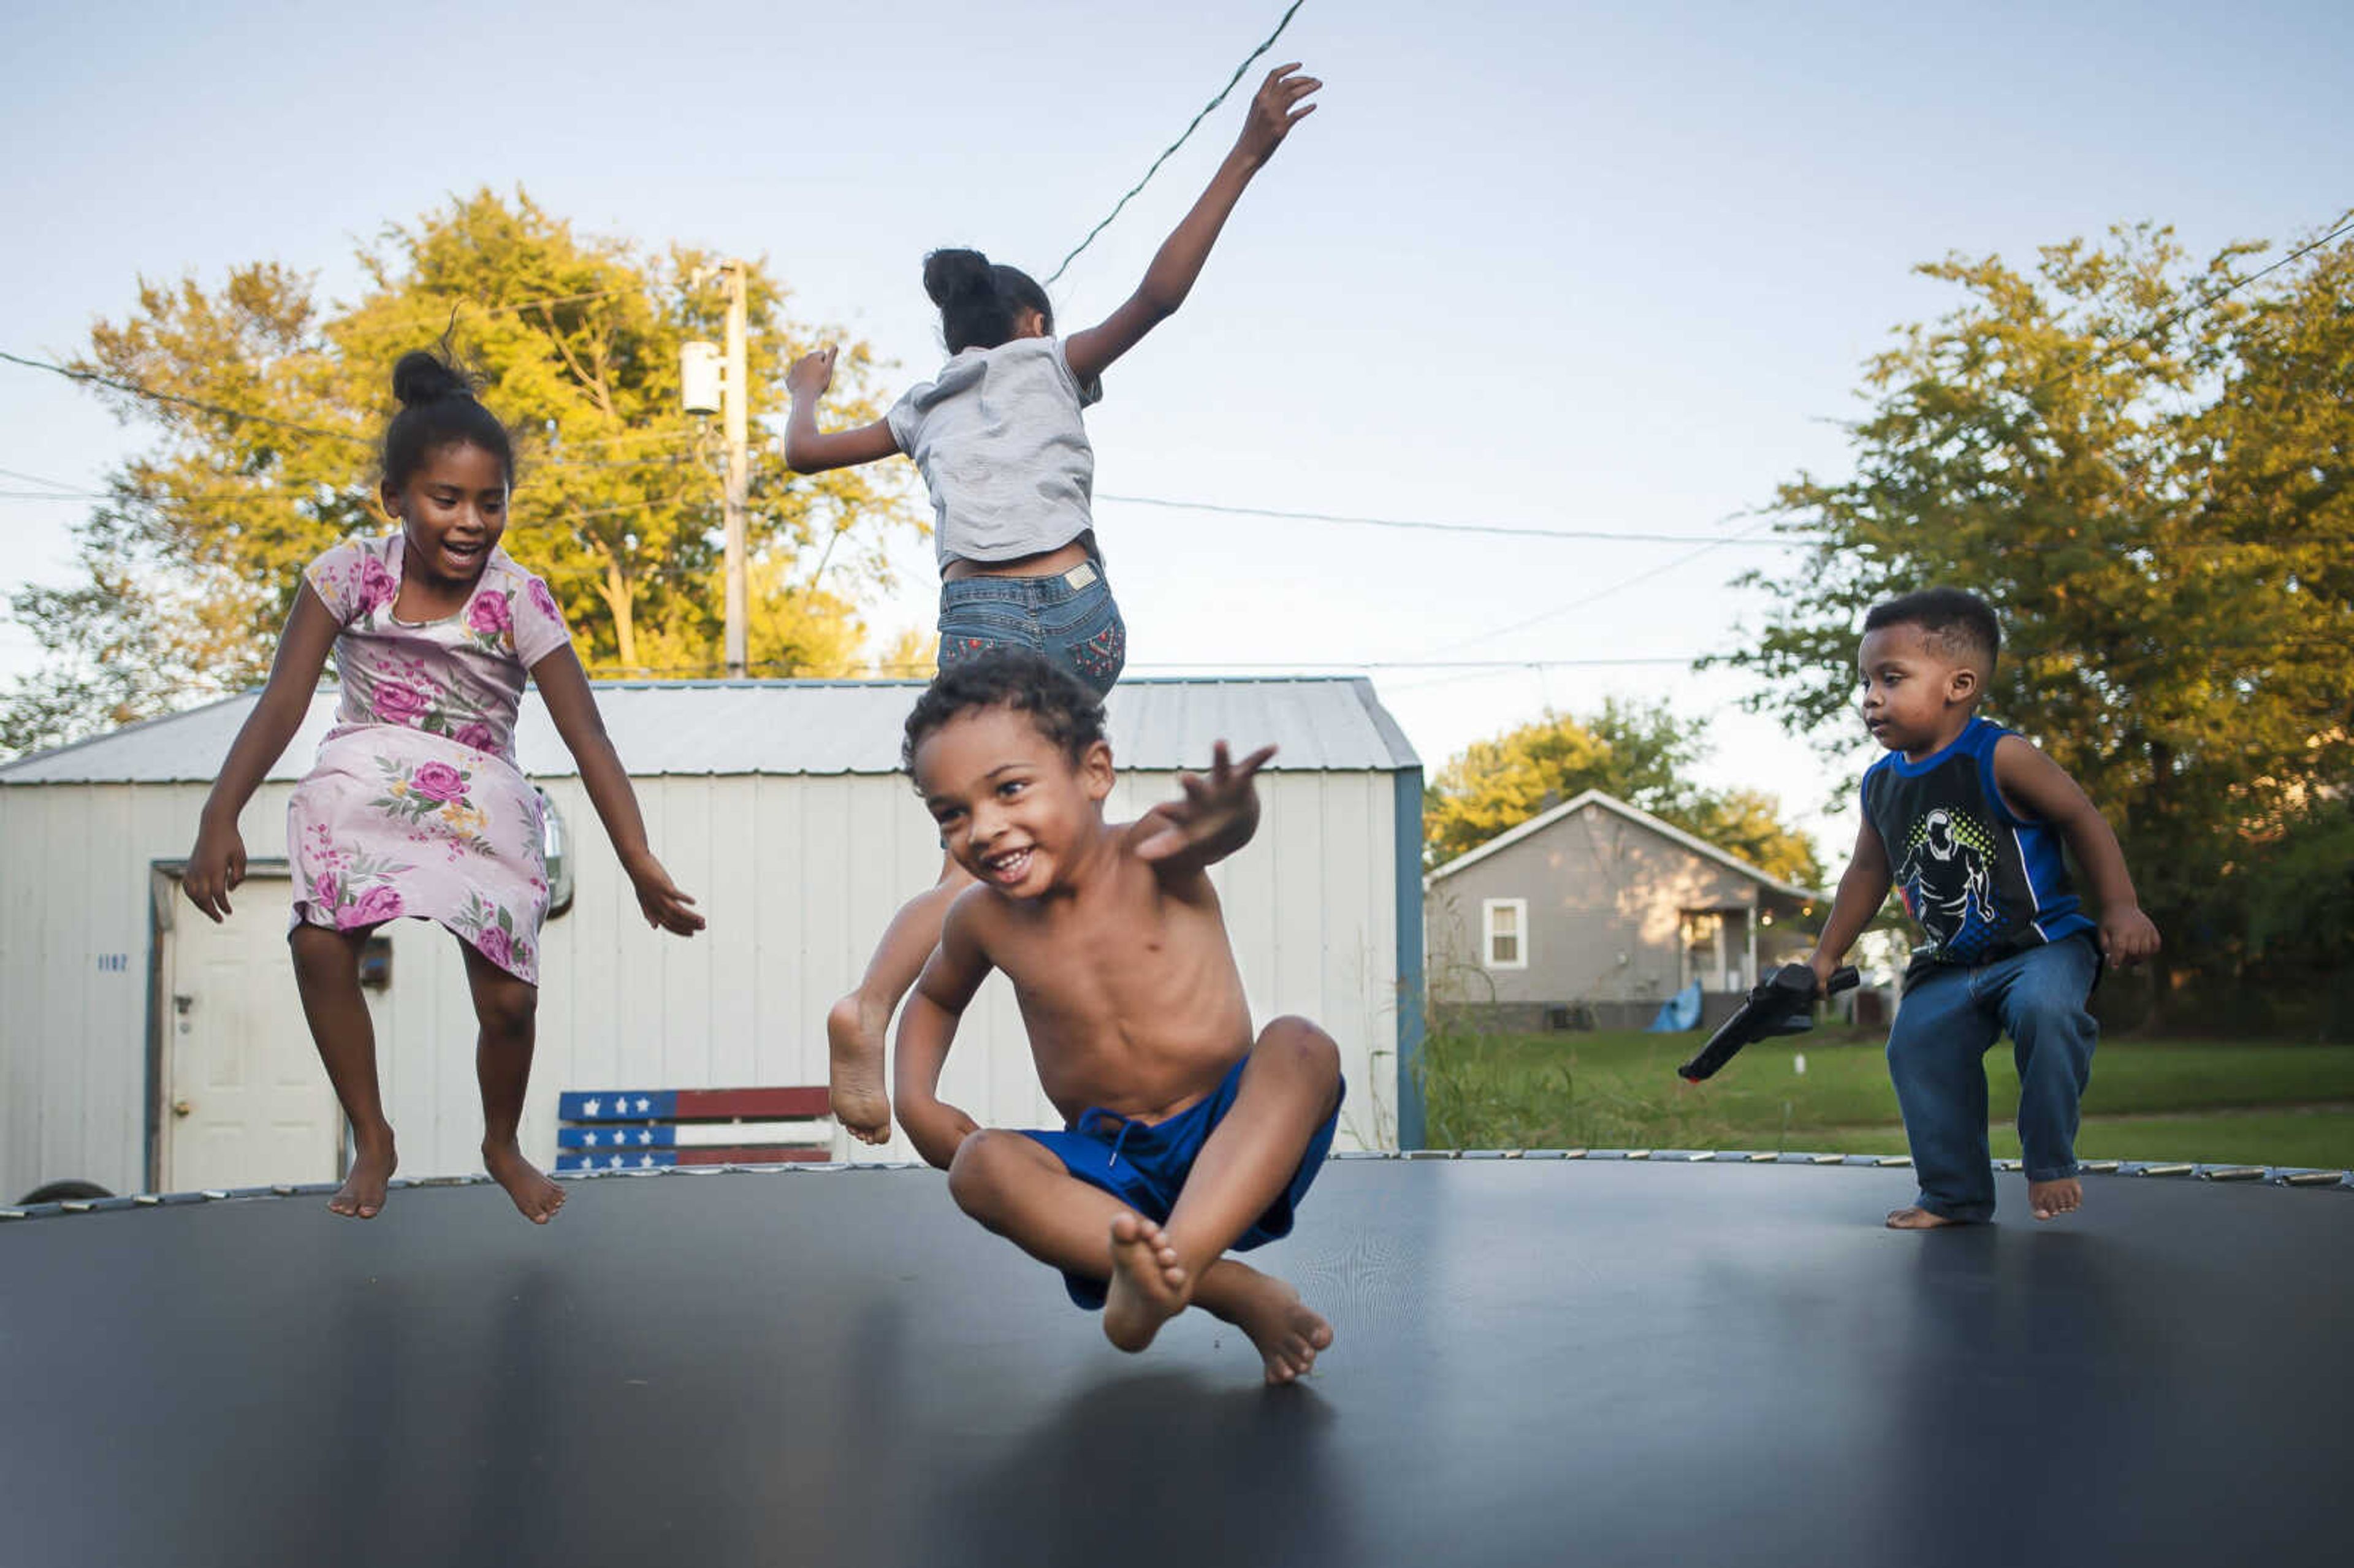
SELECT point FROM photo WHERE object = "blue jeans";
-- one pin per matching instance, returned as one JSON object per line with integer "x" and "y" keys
{"x": 1936, "y": 1054}
{"x": 1070, "y": 618}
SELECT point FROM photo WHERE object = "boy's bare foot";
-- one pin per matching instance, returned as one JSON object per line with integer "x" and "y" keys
{"x": 1148, "y": 1283}
{"x": 1917, "y": 1219}
{"x": 854, "y": 1030}
{"x": 2050, "y": 1199}
{"x": 361, "y": 1197}
{"x": 1285, "y": 1331}
{"x": 532, "y": 1192}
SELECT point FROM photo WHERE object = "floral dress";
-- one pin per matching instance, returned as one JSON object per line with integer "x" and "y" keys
{"x": 415, "y": 807}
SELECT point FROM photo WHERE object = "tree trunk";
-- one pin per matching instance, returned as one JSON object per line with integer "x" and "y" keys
{"x": 621, "y": 598}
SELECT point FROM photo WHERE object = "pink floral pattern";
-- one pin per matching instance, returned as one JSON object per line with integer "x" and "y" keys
{"x": 414, "y": 807}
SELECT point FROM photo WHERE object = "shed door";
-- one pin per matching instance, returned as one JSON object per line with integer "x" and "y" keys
{"x": 245, "y": 1100}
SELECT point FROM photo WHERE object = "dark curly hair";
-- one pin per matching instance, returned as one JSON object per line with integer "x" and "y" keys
{"x": 1958, "y": 623}
{"x": 1066, "y": 712}
{"x": 437, "y": 407}
{"x": 979, "y": 299}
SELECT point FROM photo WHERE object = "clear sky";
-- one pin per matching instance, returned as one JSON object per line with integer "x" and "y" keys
{"x": 1536, "y": 264}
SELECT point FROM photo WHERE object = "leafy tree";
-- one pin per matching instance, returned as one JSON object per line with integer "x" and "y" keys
{"x": 265, "y": 403}
{"x": 1639, "y": 754}
{"x": 2143, "y": 467}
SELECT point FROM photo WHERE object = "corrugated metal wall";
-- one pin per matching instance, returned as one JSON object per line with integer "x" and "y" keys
{"x": 798, "y": 875}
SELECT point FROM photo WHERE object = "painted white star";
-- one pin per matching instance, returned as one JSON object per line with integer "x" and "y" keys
{"x": 588, "y": 1108}
{"x": 617, "y": 1163}
{"x": 646, "y": 1135}
{"x": 589, "y": 1138}
{"x": 646, "y": 1161}
{"x": 643, "y": 1104}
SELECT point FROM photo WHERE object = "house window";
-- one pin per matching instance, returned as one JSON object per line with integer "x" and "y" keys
{"x": 1505, "y": 927}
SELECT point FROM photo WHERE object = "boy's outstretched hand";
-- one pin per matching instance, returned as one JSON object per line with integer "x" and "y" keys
{"x": 659, "y": 899}
{"x": 1217, "y": 815}
{"x": 1273, "y": 111}
{"x": 2127, "y": 937}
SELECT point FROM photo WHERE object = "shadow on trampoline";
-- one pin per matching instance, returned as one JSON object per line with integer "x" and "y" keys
{"x": 1536, "y": 1362}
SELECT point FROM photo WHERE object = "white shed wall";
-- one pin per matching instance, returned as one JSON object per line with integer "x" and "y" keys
{"x": 798, "y": 875}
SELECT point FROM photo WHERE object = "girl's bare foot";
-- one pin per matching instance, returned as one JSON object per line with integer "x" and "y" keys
{"x": 1287, "y": 1332}
{"x": 2050, "y": 1199}
{"x": 532, "y": 1192}
{"x": 1917, "y": 1219}
{"x": 1148, "y": 1283}
{"x": 361, "y": 1197}
{"x": 854, "y": 1029}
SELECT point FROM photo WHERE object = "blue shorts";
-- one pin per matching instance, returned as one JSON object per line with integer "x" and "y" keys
{"x": 1070, "y": 618}
{"x": 1144, "y": 1164}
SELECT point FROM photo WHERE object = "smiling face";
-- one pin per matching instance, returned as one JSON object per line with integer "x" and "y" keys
{"x": 452, "y": 508}
{"x": 1916, "y": 695}
{"x": 1012, "y": 808}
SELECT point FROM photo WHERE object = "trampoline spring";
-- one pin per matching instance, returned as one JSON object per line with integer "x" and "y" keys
{"x": 1753, "y": 1159}
{"x": 2317, "y": 1178}
{"x": 1365, "y": 1154}
{"x": 13, "y": 1215}
{"x": 2234, "y": 1173}
{"x": 2099, "y": 1167}
{"x": 147, "y": 1201}
{"x": 2165, "y": 1170}
{"x": 1487, "y": 1154}
{"x": 284, "y": 1189}
{"x": 1826, "y": 1159}
{"x": 1636, "y": 1154}
{"x": 1432, "y": 1153}
{"x": 1893, "y": 1161}
{"x": 215, "y": 1194}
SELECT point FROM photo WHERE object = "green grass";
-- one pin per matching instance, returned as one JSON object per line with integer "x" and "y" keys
{"x": 2207, "y": 1100}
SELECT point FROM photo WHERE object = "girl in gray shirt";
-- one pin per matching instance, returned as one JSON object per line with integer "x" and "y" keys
{"x": 998, "y": 438}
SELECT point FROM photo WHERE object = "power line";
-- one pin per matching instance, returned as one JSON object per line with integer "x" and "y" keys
{"x": 1172, "y": 147}
{"x": 223, "y": 410}
{"x": 1625, "y": 536}
{"x": 2345, "y": 222}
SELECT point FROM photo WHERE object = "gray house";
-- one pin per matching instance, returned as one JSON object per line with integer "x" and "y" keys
{"x": 1594, "y": 913}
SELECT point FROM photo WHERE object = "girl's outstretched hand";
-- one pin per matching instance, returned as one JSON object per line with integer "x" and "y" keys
{"x": 215, "y": 865}
{"x": 812, "y": 374}
{"x": 1273, "y": 111}
{"x": 661, "y": 901}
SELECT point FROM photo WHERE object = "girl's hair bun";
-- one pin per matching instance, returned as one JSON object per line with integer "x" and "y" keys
{"x": 954, "y": 276}
{"x": 423, "y": 377}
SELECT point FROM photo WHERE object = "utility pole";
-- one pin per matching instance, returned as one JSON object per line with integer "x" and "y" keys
{"x": 733, "y": 390}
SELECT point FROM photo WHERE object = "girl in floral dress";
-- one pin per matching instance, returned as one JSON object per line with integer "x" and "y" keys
{"x": 414, "y": 807}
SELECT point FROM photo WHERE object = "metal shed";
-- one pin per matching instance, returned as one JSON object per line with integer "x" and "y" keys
{"x": 143, "y": 1048}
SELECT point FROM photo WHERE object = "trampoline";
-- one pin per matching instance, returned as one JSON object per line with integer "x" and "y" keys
{"x": 1539, "y": 1360}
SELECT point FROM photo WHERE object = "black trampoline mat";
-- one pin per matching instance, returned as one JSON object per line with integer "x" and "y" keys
{"x": 1537, "y": 1362}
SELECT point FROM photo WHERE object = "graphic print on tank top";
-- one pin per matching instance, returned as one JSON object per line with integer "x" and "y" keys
{"x": 1946, "y": 878}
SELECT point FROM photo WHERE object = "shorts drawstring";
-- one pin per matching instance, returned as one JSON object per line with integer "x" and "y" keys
{"x": 1128, "y": 1124}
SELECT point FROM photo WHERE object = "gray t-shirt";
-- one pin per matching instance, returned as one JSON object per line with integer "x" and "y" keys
{"x": 998, "y": 439}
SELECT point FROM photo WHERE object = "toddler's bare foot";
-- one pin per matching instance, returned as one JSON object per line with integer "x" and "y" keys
{"x": 2050, "y": 1199}
{"x": 361, "y": 1197}
{"x": 854, "y": 1029}
{"x": 532, "y": 1192}
{"x": 1287, "y": 1332}
{"x": 1147, "y": 1283}
{"x": 1917, "y": 1219}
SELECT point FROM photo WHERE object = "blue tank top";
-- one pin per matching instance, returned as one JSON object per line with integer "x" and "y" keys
{"x": 1981, "y": 881}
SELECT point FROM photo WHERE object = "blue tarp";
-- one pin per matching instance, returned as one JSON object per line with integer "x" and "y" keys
{"x": 1678, "y": 1012}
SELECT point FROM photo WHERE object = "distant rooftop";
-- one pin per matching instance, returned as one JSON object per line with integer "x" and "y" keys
{"x": 1321, "y": 723}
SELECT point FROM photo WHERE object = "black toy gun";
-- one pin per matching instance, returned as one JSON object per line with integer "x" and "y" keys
{"x": 1781, "y": 1004}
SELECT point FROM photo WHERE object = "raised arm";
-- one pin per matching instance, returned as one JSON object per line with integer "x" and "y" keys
{"x": 1273, "y": 111}
{"x": 1863, "y": 889}
{"x": 564, "y": 687}
{"x": 1217, "y": 816}
{"x": 218, "y": 863}
{"x": 809, "y": 450}
{"x": 928, "y": 1027}
{"x": 2031, "y": 780}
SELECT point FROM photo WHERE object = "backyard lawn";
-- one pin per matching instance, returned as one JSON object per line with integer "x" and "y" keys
{"x": 2207, "y": 1100}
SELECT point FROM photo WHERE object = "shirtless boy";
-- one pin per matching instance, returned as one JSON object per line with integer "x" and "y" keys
{"x": 1185, "y": 1137}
